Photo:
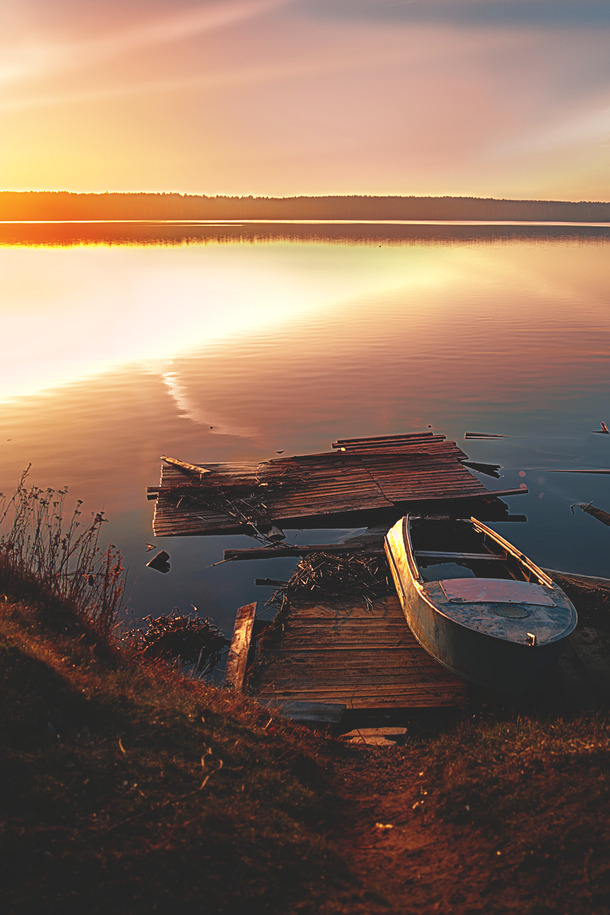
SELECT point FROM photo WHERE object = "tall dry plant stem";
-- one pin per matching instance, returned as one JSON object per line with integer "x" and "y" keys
{"x": 62, "y": 559}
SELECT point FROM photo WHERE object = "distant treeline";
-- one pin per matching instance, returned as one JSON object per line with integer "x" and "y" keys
{"x": 62, "y": 205}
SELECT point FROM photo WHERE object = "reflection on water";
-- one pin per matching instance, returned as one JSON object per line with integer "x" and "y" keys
{"x": 224, "y": 350}
{"x": 343, "y": 232}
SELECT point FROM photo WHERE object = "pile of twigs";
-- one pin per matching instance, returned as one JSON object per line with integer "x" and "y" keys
{"x": 362, "y": 574}
{"x": 197, "y": 643}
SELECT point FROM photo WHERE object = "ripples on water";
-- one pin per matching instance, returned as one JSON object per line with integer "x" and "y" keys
{"x": 234, "y": 342}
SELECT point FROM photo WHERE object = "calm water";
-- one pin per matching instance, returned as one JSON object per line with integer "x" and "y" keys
{"x": 213, "y": 343}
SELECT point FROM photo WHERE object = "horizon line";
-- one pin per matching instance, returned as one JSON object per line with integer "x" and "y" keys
{"x": 333, "y": 196}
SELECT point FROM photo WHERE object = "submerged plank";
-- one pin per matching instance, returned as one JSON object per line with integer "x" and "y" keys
{"x": 598, "y": 513}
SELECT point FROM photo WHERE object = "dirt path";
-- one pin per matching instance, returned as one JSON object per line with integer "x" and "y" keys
{"x": 411, "y": 861}
{"x": 414, "y": 859}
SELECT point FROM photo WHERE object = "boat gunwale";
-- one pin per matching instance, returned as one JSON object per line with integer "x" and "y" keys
{"x": 420, "y": 585}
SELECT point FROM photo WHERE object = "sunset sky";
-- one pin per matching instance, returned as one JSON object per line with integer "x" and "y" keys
{"x": 504, "y": 98}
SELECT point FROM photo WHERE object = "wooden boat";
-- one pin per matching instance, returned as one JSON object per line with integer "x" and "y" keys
{"x": 476, "y": 603}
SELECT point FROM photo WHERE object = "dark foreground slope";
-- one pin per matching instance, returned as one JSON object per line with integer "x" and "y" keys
{"x": 124, "y": 787}
{"x": 127, "y": 788}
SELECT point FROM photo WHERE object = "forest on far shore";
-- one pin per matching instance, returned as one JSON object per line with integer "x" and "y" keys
{"x": 64, "y": 205}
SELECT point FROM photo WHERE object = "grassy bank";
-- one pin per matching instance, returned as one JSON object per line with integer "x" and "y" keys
{"x": 125, "y": 786}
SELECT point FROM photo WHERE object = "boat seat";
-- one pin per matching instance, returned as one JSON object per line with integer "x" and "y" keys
{"x": 457, "y": 557}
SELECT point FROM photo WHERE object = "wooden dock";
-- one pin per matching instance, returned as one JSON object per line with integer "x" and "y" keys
{"x": 348, "y": 661}
{"x": 347, "y": 654}
{"x": 357, "y": 476}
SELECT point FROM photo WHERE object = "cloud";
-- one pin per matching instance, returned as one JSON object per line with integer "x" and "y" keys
{"x": 273, "y": 71}
{"x": 46, "y": 55}
{"x": 587, "y": 127}
{"x": 469, "y": 13}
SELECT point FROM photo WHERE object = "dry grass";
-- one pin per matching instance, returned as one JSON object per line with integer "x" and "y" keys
{"x": 127, "y": 787}
{"x": 494, "y": 816}
{"x": 57, "y": 558}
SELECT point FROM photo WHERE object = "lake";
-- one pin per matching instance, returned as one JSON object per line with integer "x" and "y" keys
{"x": 228, "y": 342}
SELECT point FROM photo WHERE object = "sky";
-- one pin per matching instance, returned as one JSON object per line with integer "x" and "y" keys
{"x": 487, "y": 98}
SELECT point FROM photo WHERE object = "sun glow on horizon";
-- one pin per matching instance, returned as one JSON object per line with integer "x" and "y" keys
{"x": 279, "y": 97}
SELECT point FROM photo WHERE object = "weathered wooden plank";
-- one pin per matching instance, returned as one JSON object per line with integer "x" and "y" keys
{"x": 375, "y": 737}
{"x": 369, "y": 475}
{"x": 314, "y": 625}
{"x": 184, "y": 466}
{"x": 414, "y": 700}
{"x": 345, "y": 684}
{"x": 273, "y": 552}
{"x": 349, "y": 643}
{"x": 310, "y": 712}
{"x": 357, "y": 635}
{"x": 361, "y": 613}
{"x": 421, "y": 689}
{"x": 377, "y": 660}
{"x": 240, "y": 645}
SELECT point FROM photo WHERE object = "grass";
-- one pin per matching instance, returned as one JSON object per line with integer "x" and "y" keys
{"x": 127, "y": 786}
{"x": 538, "y": 793}
{"x": 44, "y": 555}
{"x": 506, "y": 815}
{"x": 124, "y": 785}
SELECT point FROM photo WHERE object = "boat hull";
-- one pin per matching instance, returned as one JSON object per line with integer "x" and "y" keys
{"x": 481, "y": 657}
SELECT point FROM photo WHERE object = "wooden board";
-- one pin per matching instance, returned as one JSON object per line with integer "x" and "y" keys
{"x": 310, "y": 712}
{"x": 240, "y": 646}
{"x": 346, "y": 652}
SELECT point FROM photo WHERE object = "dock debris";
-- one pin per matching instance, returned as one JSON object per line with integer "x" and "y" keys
{"x": 491, "y": 470}
{"x": 468, "y": 435}
{"x": 240, "y": 648}
{"x": 184, "y": 466}
{"x": 358, "y": 476}
{"x": 601, "y": 470}
{"x": 591, "y": 509}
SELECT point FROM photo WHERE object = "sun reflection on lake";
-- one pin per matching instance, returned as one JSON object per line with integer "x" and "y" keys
{"x": 235, "y": 351}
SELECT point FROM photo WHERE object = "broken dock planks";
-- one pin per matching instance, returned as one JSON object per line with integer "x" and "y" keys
{"x": 359, "y": 475}
{"x": 595, "y": 512}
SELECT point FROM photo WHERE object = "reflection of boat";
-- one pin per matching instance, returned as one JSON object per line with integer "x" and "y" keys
{"x": 477, "y": 604}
